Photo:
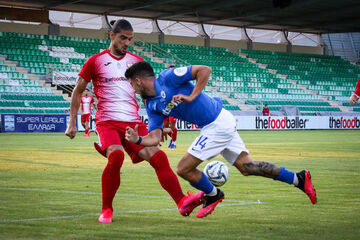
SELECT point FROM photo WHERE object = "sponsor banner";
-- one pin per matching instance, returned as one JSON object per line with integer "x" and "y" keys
{"x": 296, "y": 122}
{"x": 344, "y": 122}
{"x": 33, "y": 123}
{"x": 265, "y": 123}
{"x": 180, "y": 124}
{"x": 64, "y": 78}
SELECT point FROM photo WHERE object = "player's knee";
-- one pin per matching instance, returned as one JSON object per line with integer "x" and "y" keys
{"x": 183, "y": 171}
{"x": 243, "y": 163}
{"x": 116, "y": 159}
{"x": 113, "y": 148}
{"x": 180, "y": 171}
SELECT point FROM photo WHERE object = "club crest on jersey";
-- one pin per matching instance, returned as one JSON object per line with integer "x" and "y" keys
{"x": 163, "y": 94}
{"x": 129, "y": 64}
{"x": 180, "y": 71}
{"x": 169, "y": 107}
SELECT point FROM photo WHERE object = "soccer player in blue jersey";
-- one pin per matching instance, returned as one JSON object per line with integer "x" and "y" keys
{"x": 173, "y": 94}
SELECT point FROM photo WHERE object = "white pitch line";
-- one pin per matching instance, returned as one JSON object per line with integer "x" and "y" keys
{"x": 79, "y": 192}
{"x": 118, "y": 213}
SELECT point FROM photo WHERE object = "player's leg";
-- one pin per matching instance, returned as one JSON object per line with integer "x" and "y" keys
{"x": 110, "y": 179}
{"x": 169, "y": 181}
{"x": 187, "y": 169}
{"x": 166, "y": 176}
{"x": 83, "y": 120}
{"x": 87, "y": 130}
{"x": 167, "y": 125}
{"x": 302, "y": 179}
{"x": 174, "y": 133}
{"x": 87, "y": 124}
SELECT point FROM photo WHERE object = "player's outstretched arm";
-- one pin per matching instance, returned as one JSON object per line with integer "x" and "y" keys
{"x": 74, "y": 106}
{"x": 152, "y": 139}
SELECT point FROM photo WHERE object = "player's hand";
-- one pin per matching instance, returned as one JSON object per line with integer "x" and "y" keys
{"x": 353, "y": 99}
{"x": 182, "y": 98}
{"x": 71, "y": 131}
{"x": 165, "y": 133}
{"x": 132, "y": 134}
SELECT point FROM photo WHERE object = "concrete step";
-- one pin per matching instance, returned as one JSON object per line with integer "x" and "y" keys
{"x": 150, "y": 55}
{"x": 34, "y": 77}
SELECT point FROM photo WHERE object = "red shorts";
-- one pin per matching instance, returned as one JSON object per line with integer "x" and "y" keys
{"x": 170, "y": 119}
{"x": 85, "y": 118}
{"x": 113, "y": 133}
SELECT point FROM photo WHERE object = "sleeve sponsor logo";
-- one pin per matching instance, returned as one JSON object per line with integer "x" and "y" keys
{"x": 180, "y": 71}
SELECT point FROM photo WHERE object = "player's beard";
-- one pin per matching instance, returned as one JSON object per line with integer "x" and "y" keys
{"x": 120, "y": 51}
{"x": 143, "y": 93}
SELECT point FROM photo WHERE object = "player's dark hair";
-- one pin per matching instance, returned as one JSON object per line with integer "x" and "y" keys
{"x": 171, "y": 66}
{"x": 140, "y": 70}
{"x": 121, "y": 24}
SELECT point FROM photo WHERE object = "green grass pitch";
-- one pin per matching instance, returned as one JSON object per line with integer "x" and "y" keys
{"x": 50, "y": 189}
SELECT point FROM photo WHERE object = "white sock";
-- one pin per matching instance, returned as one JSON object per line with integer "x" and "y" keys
{"x": 296, "y": 180}
{"x": 213, "y": 192}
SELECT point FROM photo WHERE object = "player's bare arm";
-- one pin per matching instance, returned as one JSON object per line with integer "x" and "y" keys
{"x": 74, "y": 106}
{"x": 152, "y": 139}
{"x": 201, "y": 73}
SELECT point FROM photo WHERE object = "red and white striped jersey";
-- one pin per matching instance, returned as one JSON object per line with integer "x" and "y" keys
{"x": 86, "y": 104}
{"x": 116, "y": 97}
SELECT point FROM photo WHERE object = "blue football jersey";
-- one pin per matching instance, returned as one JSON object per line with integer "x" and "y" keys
{"x": 202, "y": 111}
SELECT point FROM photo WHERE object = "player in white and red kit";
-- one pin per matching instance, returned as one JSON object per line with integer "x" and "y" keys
{"x": 170, "y": 122}
{"x": 118, "y": 109}
{"x": 86, "y": 102}
{"x": 356, "y": 95}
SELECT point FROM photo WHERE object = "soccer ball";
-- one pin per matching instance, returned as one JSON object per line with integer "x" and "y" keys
{"x": 217, "y": 172}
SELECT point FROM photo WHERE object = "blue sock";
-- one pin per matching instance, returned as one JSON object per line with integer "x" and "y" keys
{"x": 285, "y": 176}
{"x": 203, "y": 184}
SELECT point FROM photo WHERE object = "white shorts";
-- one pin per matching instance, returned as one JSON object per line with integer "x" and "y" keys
{"x": 219, "y": 137}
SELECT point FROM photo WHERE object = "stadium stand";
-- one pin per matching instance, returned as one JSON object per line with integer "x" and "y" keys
{"x": 246, "y": 80}
{"x": 307, "y": 81}
{"x": 329, "y": 77}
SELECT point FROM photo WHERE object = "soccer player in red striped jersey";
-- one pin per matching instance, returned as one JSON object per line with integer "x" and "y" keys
{"x": 86, "y": 102}
{"x": 117, "y": 110}
{"x": 170, "y": 122}
{"x": 356, "y": 95}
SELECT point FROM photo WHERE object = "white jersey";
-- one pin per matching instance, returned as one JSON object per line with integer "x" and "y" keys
{"x": 116, "y": 97}
{"x": 86, "y": 104}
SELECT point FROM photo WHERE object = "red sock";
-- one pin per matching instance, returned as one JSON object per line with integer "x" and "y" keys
{"x": 110, "y": 178}
{"x": 174, "y": 135}
{"x": 166, "y": 176}
{"x": 86, "y": 131}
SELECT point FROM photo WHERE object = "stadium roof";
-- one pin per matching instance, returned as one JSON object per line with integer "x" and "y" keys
{"x": 308, "y": 16}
